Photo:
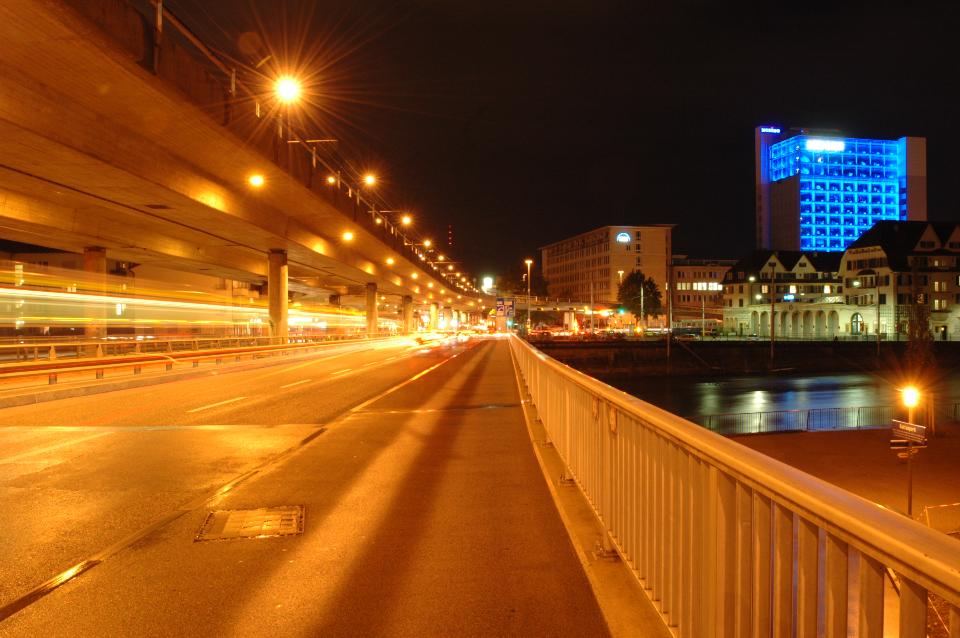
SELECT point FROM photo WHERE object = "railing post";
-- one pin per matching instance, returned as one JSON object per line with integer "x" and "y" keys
{"x": 782, "y": 585}
{"x": 871, "y": 598}
{"x": 726, "y": 521}
{"x": 807, "y": 562}
{"x": 913, "y": 609}
{"x": 836, "y": 587}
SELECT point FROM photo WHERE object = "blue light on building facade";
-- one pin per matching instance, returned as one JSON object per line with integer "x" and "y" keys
{"x": 822, "y": 191}
{"x": 846, "y": 186}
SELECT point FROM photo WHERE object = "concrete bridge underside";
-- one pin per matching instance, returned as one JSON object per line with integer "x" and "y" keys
{"x": 97, "y": 151}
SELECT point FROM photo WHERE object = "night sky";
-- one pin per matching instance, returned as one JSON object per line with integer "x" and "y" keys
{"x": 522, "y": 123}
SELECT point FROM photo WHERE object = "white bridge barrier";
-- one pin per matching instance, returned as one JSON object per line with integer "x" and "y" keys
{"x": 727, "y": 541}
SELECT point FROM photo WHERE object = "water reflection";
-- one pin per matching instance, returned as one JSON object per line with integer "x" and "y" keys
{"x": 691, "y": 397}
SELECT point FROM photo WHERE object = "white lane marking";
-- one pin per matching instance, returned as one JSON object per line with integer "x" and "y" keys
{"x": 370, "y": 363}
{"x": 333, "y": 374}
{"x": 213, "y": 405}
{"x": 290, "y": 385}
{"x": 51, "y": 448}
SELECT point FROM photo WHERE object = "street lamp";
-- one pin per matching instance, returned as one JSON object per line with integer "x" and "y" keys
{"x": 287, "y": 89}
{"x": 911, "y": 397}
{"x": 528, "y": 262}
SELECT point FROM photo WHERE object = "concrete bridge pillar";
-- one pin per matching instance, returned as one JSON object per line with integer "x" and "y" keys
{"x": 372, "y": 327}
{"x": 95, "y": 265}
{"x": 277, "y": 293}
{"x": 407, "y": 314}
{"x": 433, "y": 316}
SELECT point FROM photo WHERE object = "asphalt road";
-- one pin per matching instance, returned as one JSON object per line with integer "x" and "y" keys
{"x": 425, "y": 510}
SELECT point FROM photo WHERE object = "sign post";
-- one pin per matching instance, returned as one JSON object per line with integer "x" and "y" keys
{"x": 910, "y": 434}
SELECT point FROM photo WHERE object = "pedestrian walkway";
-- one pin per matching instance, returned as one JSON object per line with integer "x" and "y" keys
{"x": 426, "y": 514}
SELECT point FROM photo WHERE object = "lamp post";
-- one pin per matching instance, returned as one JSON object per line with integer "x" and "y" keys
{"x": 528, "y": 262}
{"x": 620, "y": 276}
{"x": 911, "y": 396}
{"x": 773, "y": 298}
{"x": 876, "y": 284}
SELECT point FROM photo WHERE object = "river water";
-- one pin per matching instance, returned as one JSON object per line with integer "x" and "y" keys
{"x": 692, "y": 397}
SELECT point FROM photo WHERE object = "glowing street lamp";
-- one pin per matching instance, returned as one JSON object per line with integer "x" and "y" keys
{"x": 287, "y": 89}
{"x": 256, "y": 180}
{"x": 406, "y": 220}
{"x": 347, "y": 236}
{"x": 911, "y": 397}
{"x": 369, "y": 179}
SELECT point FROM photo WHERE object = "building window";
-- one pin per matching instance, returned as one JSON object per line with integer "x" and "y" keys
{"x": 856, "y": 324}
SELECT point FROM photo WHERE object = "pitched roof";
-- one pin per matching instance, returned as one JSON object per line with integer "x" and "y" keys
{"x": 898, "y": 239}
{"x": 757, "y": 260}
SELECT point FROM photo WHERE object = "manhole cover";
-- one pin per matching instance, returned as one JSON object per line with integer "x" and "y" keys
{"x": 264, "y": 522}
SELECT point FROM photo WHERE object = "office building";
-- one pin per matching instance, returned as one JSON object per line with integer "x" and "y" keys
{"x": 589, "y": 266}
{"x": 820, "y": 190}
{"x": 697, "y": 292}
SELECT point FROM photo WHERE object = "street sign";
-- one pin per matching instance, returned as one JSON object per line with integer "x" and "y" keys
{"x": 508, "y": 307}
{"x": 500, "y": 310}
{"x": 909, "y": 431}
{"x": 903, "y": 444}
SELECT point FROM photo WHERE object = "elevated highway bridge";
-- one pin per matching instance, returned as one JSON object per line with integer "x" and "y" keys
{"x": 122, "y": 139}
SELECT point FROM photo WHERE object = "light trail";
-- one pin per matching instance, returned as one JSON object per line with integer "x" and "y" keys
{"x": 290, "y": 385}
{"x": 214, "y": 405}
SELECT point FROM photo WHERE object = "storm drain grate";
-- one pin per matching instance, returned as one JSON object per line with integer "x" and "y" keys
{"x": 265, "y": 522}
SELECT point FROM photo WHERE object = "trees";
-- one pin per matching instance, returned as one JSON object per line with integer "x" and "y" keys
{"x": 629, "y": 295}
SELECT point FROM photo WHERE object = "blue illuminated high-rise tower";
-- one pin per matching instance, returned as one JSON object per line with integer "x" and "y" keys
{"x": 820, "y": 190}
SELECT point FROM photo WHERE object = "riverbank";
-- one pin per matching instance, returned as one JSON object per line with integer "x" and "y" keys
{"x": 722, "y": 358}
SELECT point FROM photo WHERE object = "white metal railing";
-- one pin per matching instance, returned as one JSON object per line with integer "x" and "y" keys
{"x": 725, "y": 540}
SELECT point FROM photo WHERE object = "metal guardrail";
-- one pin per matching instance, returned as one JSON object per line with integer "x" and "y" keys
{"x": 725, "y": 540}
{"x": 51, "y": 349}
{"x": 53, "y": 370}
{"x": 809, "y": 420}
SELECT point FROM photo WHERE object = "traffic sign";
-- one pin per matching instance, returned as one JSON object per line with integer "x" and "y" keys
{"x": 909, "y": 431}
{"x": 903, "y": 444}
